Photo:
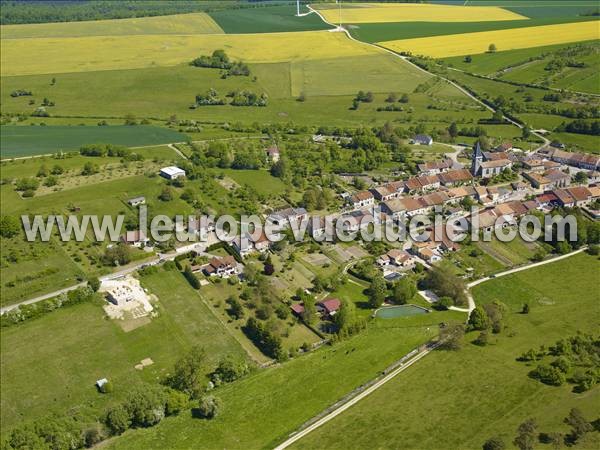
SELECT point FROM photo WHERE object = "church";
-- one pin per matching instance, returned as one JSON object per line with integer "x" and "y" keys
{"x": 488, "y": 164}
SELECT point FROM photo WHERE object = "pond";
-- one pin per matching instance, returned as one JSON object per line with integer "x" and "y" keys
{"x": 390, "y": 312}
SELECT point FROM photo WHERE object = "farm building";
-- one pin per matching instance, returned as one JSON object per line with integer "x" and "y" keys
{"x": 137, "y": 201}
{"x": 135, "y": 238}
{"x": 172, "y": 172}
{"x": 422, "y": 139}
{"x": 329, "y": 306}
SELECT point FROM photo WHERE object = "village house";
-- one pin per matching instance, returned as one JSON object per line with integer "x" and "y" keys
{"x": 172, "y": 172}
{"x": 384, "y": 193}
{"x": 580, "y": 160}
{"x": 135, "y": 238}
{"x": 262, "y": 244}
{"x": 328, "y": 307}
{"x": 504, "y": 147}
{"x": 137, "y": 201}
{"x": 422, "y": 139}
{"x": 428, "y": 251}
{"x": 283, "y": 217}
{"x": 455, "y": 177}
{"x": 223, "y": 267}
{"x": 273, "y": 154}
{"x": 548, "y": 180}
{"x": 243, "y": 245}
{"x": 421, "y": 183}
{"x": 362, "y": 199}
{"x": 435, "y": 167}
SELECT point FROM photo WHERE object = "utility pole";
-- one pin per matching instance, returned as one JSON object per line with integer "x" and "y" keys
{"x": 298, "y": 8}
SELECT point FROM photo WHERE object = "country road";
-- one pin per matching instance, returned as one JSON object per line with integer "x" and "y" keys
{"x": 354, "y": 400}
{"x": 407, "y": 60}
{"x": 125, "y": 271}
{"x": 299, "y": 435}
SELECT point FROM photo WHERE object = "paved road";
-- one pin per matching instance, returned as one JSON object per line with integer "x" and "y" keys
{"x": 354, "y": 400}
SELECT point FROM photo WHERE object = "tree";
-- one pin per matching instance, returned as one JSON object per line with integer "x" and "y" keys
{"x": 492, "y": 48}
{"x": 451, "y": 337}
{"x": 235, "y": 309}
{"x": 166, "y": 195}
{"x": 579, "y": 425}
{"x": 230, "y": 369}
{"x": 391, "y": 98}
{"x": 526, "y": 435}
{"x": 94, "y": 283}
{"x": 404, "y": 291}
{"x": 89, "y": 169}
{"x": 310, "y": 311}
{"x": 188, "y": 373}
{"x": 377, "y": 291}
{"x": 404, "y": 98}
{"x": 525, "y": 309}
{"x": 453, "y": 131}
{"x": 176, "y": 402}
{"x": 209, "y": 407}
{"x": 483, "y": 339}
{"x": 468, "y": 59}
{"x": 478, "y": 319}
{"x": 345, "y": 318}
{"x": 444, "y": 283}
{"x": 494, "y": 443}
{"x": 526, "y": 132}
{"x": 302, "y": 97}
{"x": 9, "y": 226}
{"x": 118, "y": 419}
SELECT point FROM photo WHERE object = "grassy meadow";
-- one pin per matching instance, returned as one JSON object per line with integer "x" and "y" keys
{"x": 269, "y": 19}
{"x": 449, "y": 398}
{"x": 477, "y": 43}
{"x": 195, "y": 23}
{"x": 71, "y": 348}
{"x": 39, "y": 140}
{"x": 301, "y": 388}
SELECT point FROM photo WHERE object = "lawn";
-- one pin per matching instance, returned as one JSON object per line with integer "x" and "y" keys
{"x": 196, "y": 23}
{"x": 448, "y": 400}
{"x": 70, "y": 349}
{"x": 27, "y": 141}
{"x": 509, "y": 39}
{"x": 259, "y": 180}
{"x": 267, "y": 19}
{"x": 285, "y": 396}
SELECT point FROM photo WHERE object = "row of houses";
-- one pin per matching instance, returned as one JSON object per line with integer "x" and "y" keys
{"x": 579, "y": 160}
{"x": 421, "y": 183}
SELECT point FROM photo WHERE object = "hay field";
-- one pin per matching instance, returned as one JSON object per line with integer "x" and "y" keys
{"x": 197, "y": 23}
{"x": 81, "y": 54}
{"x": 407, "y": 12}
{"x": 476, "y": 43}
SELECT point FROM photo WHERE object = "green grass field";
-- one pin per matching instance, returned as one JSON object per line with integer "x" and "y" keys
{"x": 284, "y": 397}
{"x": 38, "y": 140}
{"x": 529, "y": 66}
{"x": 270, "y": 19}
{"x": 388, "y": 31}
{"x": 196, "y": 23}
{"x": 449, "y": 398}
{"x": 70, "y": 349}
{"x": 260, "y": 180}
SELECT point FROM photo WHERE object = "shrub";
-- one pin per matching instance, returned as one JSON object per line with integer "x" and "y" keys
{"x": 209, "y": 407}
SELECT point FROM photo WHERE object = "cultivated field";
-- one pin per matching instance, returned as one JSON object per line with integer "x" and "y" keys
{"x": 38, "y": 140}
{"x": 81, "y": 54}
{"x": 476, "y": 43}
{"x": 196, "y": 23}
{"x": 271, "y": 19}
{"x": 461, "y": 410}
{"x": 394, "y": 12}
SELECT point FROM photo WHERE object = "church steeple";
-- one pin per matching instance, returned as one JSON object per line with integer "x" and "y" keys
{"x": 477, "y": 159}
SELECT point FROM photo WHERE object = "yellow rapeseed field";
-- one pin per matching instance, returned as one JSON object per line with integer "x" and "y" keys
{"x": 196, "y": 23}
{"x": 475, "y": 43}
{"x": 63, "y": 55}
{"x": 407, "y": 12}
